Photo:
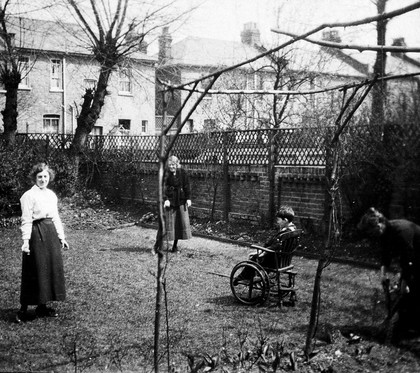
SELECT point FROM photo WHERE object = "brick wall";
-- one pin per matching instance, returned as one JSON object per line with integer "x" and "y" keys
{"x": 301, "y": 188}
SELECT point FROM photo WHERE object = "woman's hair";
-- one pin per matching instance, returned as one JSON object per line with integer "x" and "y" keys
{"x": 371, "y": 219}
{"x": 175, "y": 160}
{"x": 285, "y": 212}
{"x": 39, "y": 167}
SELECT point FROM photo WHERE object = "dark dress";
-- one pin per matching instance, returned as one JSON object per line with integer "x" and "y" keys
{"x": 401, "y": 240}
{"x": 177, "y": 191}
{"x": 42, "y": 269}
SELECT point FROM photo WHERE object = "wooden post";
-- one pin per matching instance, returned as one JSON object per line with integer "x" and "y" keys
{"x": 226, "y": 181}
{"x": 272, "y": 158}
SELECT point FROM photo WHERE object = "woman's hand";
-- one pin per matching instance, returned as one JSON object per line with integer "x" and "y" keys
{"x": 64, "y": 244}
{"x": 25, "y": 247}
{"x": 188, "y": 202}
{"x": 167, "y": 203}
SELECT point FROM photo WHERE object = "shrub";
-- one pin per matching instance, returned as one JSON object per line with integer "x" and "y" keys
{"x": 15, "y": 166}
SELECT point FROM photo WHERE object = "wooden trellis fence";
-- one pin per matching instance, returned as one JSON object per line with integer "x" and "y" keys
{"x": 288, "y": 147}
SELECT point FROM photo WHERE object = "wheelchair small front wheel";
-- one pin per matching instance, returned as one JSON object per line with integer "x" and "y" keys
{"x": 249, "y": 283}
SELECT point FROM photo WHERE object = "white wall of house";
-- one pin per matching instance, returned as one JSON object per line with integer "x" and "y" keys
{"x": 49, "y": 102}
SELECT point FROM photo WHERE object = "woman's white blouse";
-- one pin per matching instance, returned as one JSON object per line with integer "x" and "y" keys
{"x": 38, "y": 204}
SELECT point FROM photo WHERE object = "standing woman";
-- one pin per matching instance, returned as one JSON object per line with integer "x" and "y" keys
{"x": 177, "y": 201}
{"x": 43, "y": 238}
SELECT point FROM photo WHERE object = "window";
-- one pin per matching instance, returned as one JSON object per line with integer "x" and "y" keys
{"x": 24, "y": 71}
{"x": 144, "y": 125}
{"x": 258, "y": 81}
{"x": 190, "y": 125}
{"x": 90, "y": 84}
{"x": 124, "y": 124}
{"x": 56, "y": 75}
{"x": 124, "y": 84}
{"x": 96, "y": 131}
{"x": 209, "y": 125}
{"x": 50, "y": 123}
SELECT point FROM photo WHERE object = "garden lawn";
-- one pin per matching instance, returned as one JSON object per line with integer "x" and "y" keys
{"x": 107, "y": 321}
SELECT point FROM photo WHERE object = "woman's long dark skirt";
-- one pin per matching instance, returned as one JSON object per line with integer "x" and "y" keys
{"x": 42, "y": 269}
{"x": 178, "y": 223}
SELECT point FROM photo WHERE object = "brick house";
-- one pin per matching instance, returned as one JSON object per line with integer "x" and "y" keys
{"x": 57, "y": 68}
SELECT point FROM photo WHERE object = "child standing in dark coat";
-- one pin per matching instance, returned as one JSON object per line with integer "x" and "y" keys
{"x": 177, "y": 201}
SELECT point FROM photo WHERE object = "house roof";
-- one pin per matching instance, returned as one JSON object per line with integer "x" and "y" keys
{"x": 396, "y": 63}
{"x": 36, "y": 34}
{"x": 197, "y": 51}
{"x": 301, "y": 56}
{"x": 204, "y": 52}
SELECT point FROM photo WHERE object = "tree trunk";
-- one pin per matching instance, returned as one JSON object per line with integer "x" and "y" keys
{"x": 10, "y": 112}
{"x": 91, "y": 109}
{"x": 379, "y": 90}
{"x": 332, "y": 159}
{"x": 316, "y": 302}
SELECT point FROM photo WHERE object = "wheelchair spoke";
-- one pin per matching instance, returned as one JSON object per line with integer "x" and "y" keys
{"x": 249, "y": 283}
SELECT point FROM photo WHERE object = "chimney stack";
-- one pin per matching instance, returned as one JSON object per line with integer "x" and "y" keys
{"x": 399, "y": 42}
{"x": 331, "y": 35}
{"x": 250, "y": 35}
{"x": 165, "y": 41}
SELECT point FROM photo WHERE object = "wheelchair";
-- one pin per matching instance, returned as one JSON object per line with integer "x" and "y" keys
{"x": 253, "y": 282}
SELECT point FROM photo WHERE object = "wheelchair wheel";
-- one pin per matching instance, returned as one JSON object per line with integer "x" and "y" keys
{"x": 249, "y": 283}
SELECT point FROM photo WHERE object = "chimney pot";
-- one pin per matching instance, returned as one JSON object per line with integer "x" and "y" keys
{"x": 399, "y": 42}
{"x": 250, "y": 35}
{"x": 331, "y": 35}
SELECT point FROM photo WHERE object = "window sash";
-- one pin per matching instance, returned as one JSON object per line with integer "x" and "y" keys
{"x": 125, "y": 84}
{"x": 24, "y": 71}
{"x": 90, "y": 84}
{"x": 144, "y": 124}
{"x": 56, "y": 74}
{"x": 51, "y": 123}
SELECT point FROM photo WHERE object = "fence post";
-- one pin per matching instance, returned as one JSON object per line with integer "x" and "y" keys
{"x": 226, "y": 181}
{"x": 272, "y": 159}
{"x": 47, "y": 146}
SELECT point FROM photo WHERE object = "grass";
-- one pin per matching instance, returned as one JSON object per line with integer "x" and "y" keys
{"x": 107, "y": 321}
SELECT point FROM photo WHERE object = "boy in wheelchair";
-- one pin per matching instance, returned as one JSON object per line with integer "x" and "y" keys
{"x": 284, "y": 220}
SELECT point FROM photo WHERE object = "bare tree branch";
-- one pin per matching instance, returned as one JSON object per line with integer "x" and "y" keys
{"x": 86, "y": 26}
{"x": 291, "y": 93}
{"x": 383, "y": 16}
{"x": 340, "y": 127}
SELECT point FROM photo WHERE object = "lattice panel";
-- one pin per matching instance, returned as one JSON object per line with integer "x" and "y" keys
{"x": 289, "y": 147}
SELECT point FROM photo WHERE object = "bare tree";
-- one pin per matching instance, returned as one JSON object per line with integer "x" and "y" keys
{"x": 13, "y": 68}
{"x": 113, "y": 31}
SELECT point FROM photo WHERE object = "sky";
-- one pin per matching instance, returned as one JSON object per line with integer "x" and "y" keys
{"x": 224, "y": 19}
